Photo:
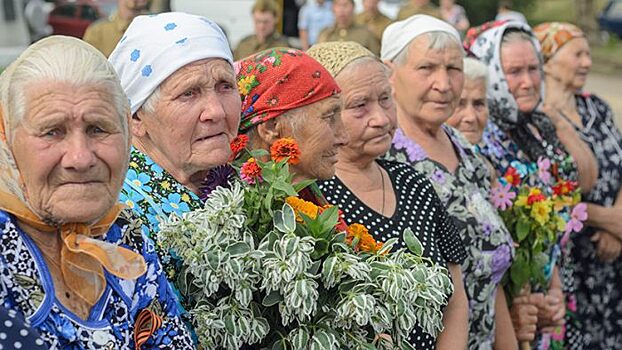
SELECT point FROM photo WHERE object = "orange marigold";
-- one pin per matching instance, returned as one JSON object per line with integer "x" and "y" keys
{"x": 366, "y": 242}
{"x": 302, "y": 206}
{"x": 284, "y": 148}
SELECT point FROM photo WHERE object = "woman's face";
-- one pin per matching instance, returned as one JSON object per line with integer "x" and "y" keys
{"x": 471, "y": 115}
{"x": 571, "y": 64}
{"x": 319, "y": 137}
{"x": 522, "y": 72}
{"x": 71, "y": 151}
{"x": 195, "y": 119}
{"x": 369, "y": 113}
{"x": 427, "y": 86}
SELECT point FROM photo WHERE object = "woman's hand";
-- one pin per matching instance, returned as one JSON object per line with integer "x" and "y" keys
{"x": 524, "y": 314}
{"x": 552, "y": 311}
{"x": 608, "y": 246}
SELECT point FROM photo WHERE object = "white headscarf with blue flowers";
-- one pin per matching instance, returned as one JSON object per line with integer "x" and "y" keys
{"x": 156, "y": 46}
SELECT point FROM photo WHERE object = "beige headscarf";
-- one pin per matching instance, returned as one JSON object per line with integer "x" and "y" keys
{"x": 83, "y": 257}
{"x": 336, "y": 55}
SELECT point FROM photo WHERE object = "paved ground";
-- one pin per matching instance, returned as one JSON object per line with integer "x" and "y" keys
{"x": 609, "y": 88}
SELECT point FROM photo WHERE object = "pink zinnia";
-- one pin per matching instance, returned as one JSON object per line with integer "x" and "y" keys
{"x": 502, "y": 196}
{"x": 544, "y": 164}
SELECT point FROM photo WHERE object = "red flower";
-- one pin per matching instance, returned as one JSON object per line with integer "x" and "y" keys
{"x": 564, "y": 187}
{"x": 285, "y": 148}
{"x": 251, "y": 171}
{"x": 237, "y": 145}
{"x": 512, "y": 176}
{"x": 539, "y": 197}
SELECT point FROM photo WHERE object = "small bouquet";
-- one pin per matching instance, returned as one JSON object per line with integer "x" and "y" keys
{"x": 265, "y": 268}
{"x": 541, "y": 210}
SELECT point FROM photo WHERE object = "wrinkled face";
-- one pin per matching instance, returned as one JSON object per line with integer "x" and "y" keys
{"x": 369, "y": 114}
{"x": 195, "y": 118}
{"x": 522, "y": 72}
{"x": 427, "y": 87}
{"x": 471, "y": 115}
{"x": 344, "y": 11}
{"x": 71, "y": 151}
{"x": 264, "y": 24}
{"x": 320, "y": 136}
{"x": 571, "y": 63}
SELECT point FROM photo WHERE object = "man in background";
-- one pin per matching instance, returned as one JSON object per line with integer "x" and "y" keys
{"x": 505, "y": 12}
{"x": 106, "y": 33}
{"x": 265, "y": 16}
{"x": 419, "y": 7}
{"x": 372, "y": 18}
{"x": 345, "y": 29}
{"x": 314, "y": 16}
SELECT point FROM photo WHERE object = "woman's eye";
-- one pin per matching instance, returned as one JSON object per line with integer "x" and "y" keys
{"x": 52, "y": 133}
{"x": 96, "y": 130}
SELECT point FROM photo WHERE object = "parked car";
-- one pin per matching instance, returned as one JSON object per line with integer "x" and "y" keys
{"x": 610, "y": 19}
{"x": 73, "y": 17}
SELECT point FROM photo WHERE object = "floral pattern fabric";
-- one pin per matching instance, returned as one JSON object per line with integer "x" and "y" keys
{"x": 26, "y": 286}
{"x": 489, "y": 244}
{"x": 153, "y": 194}
{"x": 599, "y": 299}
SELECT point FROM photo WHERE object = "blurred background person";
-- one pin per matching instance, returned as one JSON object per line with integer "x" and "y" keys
{"x": 418, "y": 7}
{"x": 106, "y": 33}
{"x": 345, "y": 29}
{"x": 265, "y": 17}
{"x": 505, "y": 12}
{"x": 598, "y": 267}
{"x": 371, "y": 17}
{"x": 455, "y": 15}
{"x": 313, "y": 17}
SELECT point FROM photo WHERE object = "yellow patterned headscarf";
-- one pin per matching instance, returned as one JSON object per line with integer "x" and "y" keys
{"x": 336, "y": 55}
{"x": 83, "y": 256}
{"x": 553, "y": 35}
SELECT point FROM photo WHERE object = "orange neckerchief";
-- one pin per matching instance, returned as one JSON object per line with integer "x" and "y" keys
{"x": 82, "y": 257}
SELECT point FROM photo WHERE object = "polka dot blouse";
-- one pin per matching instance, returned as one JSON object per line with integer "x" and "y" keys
{"x": 418, "y": 208}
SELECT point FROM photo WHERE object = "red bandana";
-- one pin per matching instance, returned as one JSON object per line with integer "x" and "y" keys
{"x": 277, "y": 80}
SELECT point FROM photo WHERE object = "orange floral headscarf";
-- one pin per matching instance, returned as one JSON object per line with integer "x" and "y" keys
{"x": 83, "y": 257}
{"x": 553, "y": 35}
{"x": 277, "y": 80}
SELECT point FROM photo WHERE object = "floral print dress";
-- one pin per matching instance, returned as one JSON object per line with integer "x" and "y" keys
{"x": 26, "y": 286}
{"x": 153, "y": 194}
{"x": 488, "y": 243}
{"x": 599, "y": 299}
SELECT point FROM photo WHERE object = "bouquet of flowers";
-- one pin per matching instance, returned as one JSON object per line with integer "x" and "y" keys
{"x": 541, "y": 210}
{"x": 265, "y": 268}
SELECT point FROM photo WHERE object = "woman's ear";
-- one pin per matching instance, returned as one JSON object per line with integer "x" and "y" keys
{"x": 137, "y": 126}
{"x": 268, "y": 132}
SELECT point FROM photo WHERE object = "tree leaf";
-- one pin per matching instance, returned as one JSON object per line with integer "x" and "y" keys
{"x": 522, "y": 229}
{"x": 272, "y": 299}
{"x": 239, "y": 248}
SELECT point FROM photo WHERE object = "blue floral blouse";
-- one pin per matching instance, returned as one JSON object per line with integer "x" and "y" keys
{"x": 488, "y": 242}
{"x": 26, "y": 286}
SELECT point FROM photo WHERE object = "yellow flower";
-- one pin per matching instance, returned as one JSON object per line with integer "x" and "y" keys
{"x": 185, "y": 197}
{"x": 134, "y": 165}
{"x": 366, "y": 241}
{"x": 165, "y": 185}
{"x": 302, "y": 206}
{"x": 246, "y": 84}
{"x": 560, "y": 223}
{"x": 541, "y": 211}
{"x": 562, "y": 202}
{"x": 521, "y": 201}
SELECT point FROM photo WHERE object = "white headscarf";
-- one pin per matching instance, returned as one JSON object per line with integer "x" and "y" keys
{"x": 399, "y": 34}
{"x": 156, "y": 46}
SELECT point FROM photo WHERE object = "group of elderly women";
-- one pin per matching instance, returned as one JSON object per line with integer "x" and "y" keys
{"x": 398, "y": 142}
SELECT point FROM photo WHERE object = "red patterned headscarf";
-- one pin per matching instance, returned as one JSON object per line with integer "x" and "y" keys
{"x": 474, "y": 32}
{"x": 554, "y": 35}
{"x": 277, "y": 80}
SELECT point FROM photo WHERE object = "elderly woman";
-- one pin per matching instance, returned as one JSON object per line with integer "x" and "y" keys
{"x": 520, "y": 132}
{"x": 76, "y": 267}
{"x": 598, "y": 267}
{"x": 387, "y": 196}
{"x": 471, "y": 118}
{"x": 426, "y": 58}
{"x": 177, "y": 72}
{"x": 286, "y": 93}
